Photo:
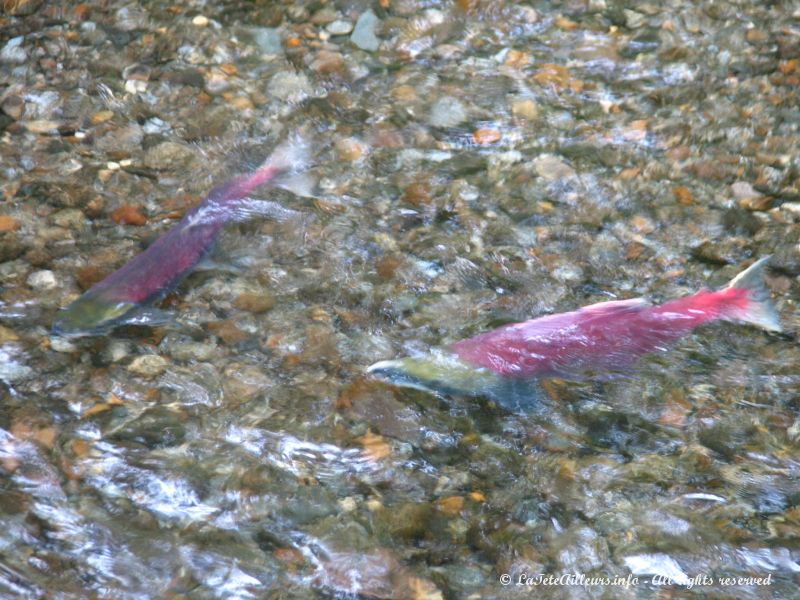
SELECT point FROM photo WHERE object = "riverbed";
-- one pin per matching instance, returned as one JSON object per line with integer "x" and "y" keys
{"x": 472, "y": 163}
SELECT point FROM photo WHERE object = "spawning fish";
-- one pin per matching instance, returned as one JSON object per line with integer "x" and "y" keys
{"x": 601, "y": 337}
{"x": 119, "y": 298}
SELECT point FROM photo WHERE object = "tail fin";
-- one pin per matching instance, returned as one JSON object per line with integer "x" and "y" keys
{"x": 291, "y": 159}
{"x": 759, "y": 310}
{"x": 291, "y": 156}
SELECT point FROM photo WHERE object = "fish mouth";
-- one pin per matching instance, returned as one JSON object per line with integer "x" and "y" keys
{"x": 437, "y": 374}
{"x": 394, "y": 372}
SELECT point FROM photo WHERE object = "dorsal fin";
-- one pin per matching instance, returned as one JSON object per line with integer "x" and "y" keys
{"x": 614, "y": 306}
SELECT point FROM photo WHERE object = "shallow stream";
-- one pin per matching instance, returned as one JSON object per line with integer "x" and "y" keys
{"x": 474, "y": 163}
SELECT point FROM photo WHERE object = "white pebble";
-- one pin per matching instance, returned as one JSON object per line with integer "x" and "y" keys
{"x": 42, "y": 280}
{"x": 148, "y": 365}
{"x": 447, "y": 112}
{"x": 339, "y": 27}
{"x": 200, "y": 21}
{"x": 742, "y": 190}
{"x": 289, "y": 86}
{"x": 11, "y": 370}
{"x": 60, "y": 344}
{"x": 348, "y": 504}
{"x": 13, "y": 52}
{"x": 135, "y": 86}
{"x": 117, "y": 350}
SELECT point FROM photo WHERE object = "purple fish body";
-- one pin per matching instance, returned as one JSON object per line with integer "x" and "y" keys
{"x": 150, "y": 275}
{"x": 604, "y": 336}
{"x": 153, "y": 273}
{"x": 594, "y": 339}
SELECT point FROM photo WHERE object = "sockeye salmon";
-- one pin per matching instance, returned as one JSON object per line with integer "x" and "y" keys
{"x": 601, "y": 337}
{"x": 119, "y": 298}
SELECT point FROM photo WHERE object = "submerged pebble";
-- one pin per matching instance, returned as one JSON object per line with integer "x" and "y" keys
{"x": 364, "y": 32}
{"x": 169, "y": 156}
{"x": 447, "y": 112}
{"x": 267, "y": 39}
{"x": 290, "y": 87}
{"x": 552, "y": 168}
{"x": 148, "y": 365}
{"x": 42, "y": 280}
{"x": 339, "y": 27}
{"x": 11, "y": 370}
{"x": 14, "y": 52}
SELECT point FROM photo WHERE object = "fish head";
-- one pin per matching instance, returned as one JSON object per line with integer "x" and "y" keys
{"x": 90, "y": 315}
{"x": 435, "y": 373}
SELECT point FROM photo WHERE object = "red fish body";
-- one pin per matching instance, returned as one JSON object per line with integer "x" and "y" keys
{"x": 149, "y": 276}
{"x": 602, "y": 336}
{"x": 597, "y": 338}
{"x": 170, "y": 258}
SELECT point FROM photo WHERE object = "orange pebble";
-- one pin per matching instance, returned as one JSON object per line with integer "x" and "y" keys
{"x": 129, "y": 215}
{"x": 485, "y": 136}
{"x": 8, "y": 223}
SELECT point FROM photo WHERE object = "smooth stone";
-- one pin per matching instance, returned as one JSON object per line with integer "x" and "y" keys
{"x": 268, "y": 39}
{"x": 193, "y": 351}
{"x": 13, "y": 52}
{"x": 742, "y": 190}
{"x": 525, "y": 108}
{"x": 11, "y": 370}
{"x": 447, "y": 112}
{"x": 42, "y": 280}
{"x": 117, "y": 350}
{"x": 14, "y": 107}
{"x": 633, "y": 19}
{"x": 339, "y": 27}
{"x": 148, "y": 365}
{"x": 71, "y": 218}
{"x": 551, "y": 167}
{"x": 22, "y": 8}
{"x": 323, "y": 16}
{"x": 60, "y": 344}
{"x": 364, "y": 32}
{"x": 168, "y": 156}
{"x": 289, "y": 87}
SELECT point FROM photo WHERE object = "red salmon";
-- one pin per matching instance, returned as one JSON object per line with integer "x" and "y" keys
{"x": 601, "y": 337}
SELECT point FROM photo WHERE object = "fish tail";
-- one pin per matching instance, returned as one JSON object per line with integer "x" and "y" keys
{"x": 287, "y": 164}
{"x": 284, "y": 168}
{"x": 290, "y": 156}
{"x": 757, "y": 308}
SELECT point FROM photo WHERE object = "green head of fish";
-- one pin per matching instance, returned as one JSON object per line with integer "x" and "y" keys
{"x": 436, "y": 373}
{"x": 90, "y": 315}
{"x": 439, "y": 373}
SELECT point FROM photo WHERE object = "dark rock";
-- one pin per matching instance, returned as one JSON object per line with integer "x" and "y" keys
{"x": 155, "y": 428}
{"x": 738, "y": 220}
{"x": 643, "y": 43}
{"x": 10, "y": 246}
